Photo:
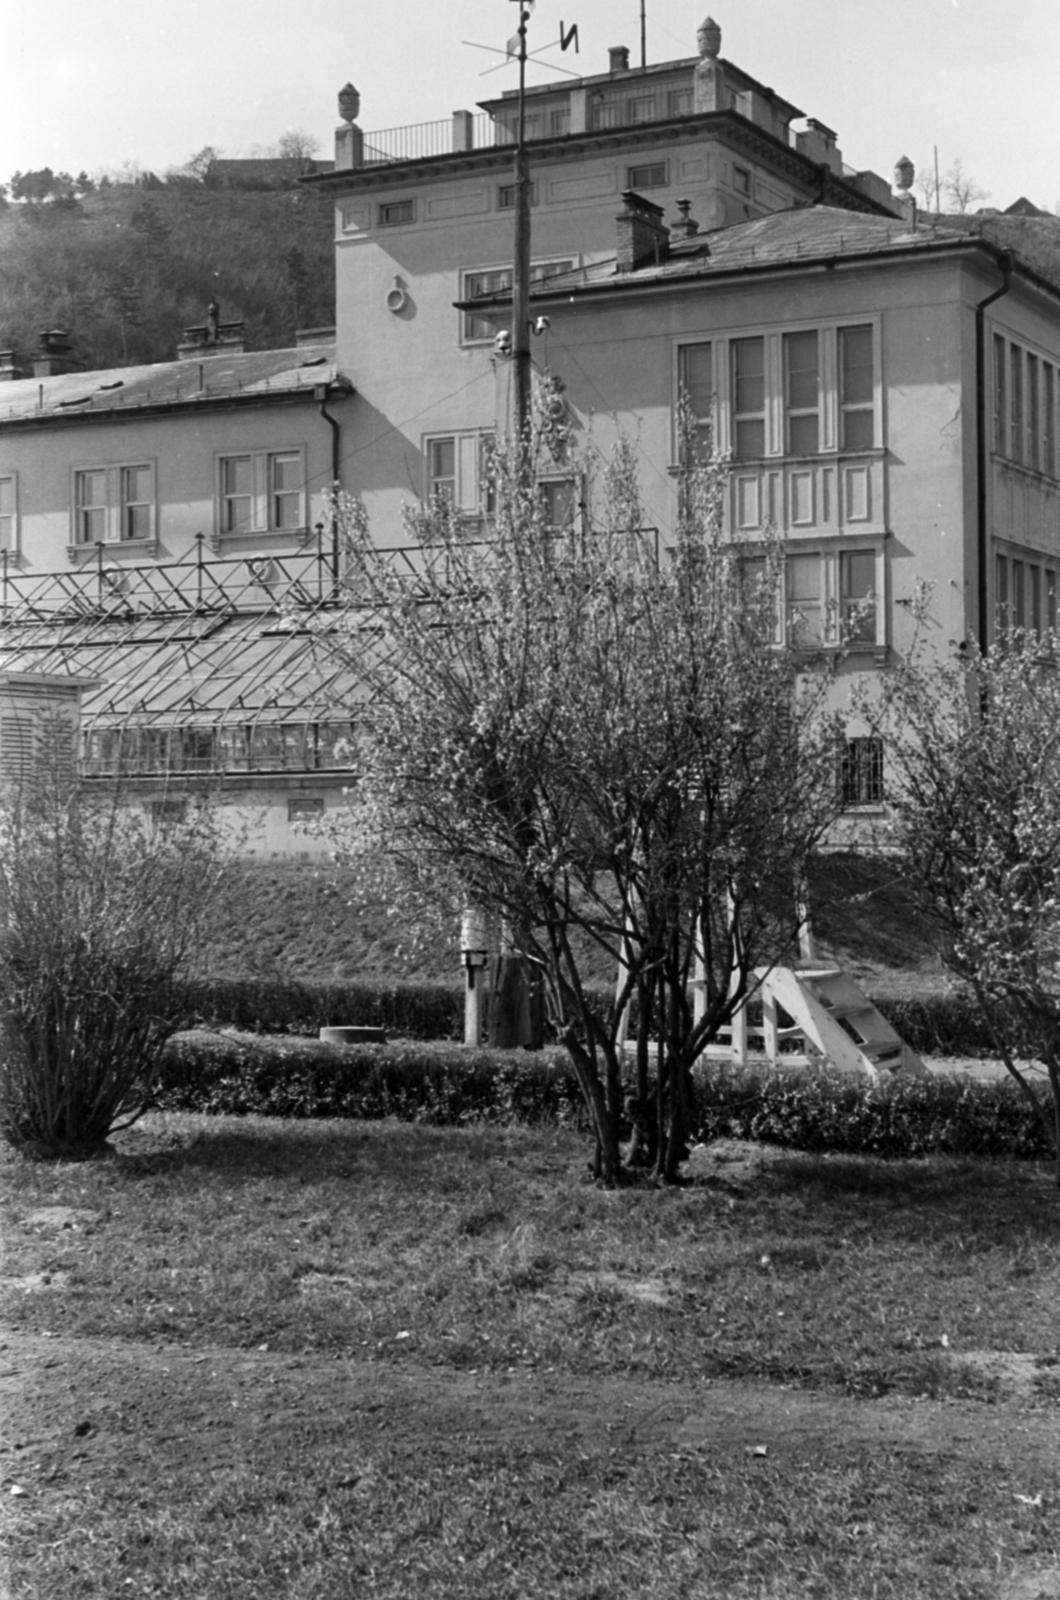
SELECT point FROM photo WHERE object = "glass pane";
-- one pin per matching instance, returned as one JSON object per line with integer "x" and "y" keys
{"x": 443, "y": 465}
{"x": 855, "y": 355}
{"x": 697, "y": 377}
{"x": 857, "y": 430}
{"x": 558, "y": 504}
{"x": 91, "y": 488}
{"x": 286, "y": 509}
{"x": 802, "y": 435}
{"x": 804, "y": 577}
{"x": 137, "y": 522}
{"x": 136, "y": 483}
{"x": 91, "y": 525}
{"x": 285, "y": 473}
{"x": 238, "y": 478}
{"x": 751, "y": 438}
{"x": 237, "y": 514}
{"x": 800, "y": 351}
{"x": 859, "y": 574}
{"x": 749, "y": 374}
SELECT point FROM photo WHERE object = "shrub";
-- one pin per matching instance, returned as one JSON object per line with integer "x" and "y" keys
{"x": 97, "y": 912}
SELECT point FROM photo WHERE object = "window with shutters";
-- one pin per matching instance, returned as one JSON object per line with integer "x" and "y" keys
{"x": 457, "y": 471}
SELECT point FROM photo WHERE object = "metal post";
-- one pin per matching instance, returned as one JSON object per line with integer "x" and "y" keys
{"x": 521, "y": 270}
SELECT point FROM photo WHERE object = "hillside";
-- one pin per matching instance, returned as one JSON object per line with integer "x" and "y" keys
{"x": 301, "y": 918}
{"x": 126, "y": 269}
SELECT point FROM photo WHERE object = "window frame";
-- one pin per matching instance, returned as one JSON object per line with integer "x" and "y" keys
{"x": 861, "y": 773}
{"x": 661, "y": 182}
{"x": 466, "y": 442}
{"x": 832, "y": 406}
{"x": 10, "y": 531}
{"x": 110, "y": 513}
{"x": 830, "y": 605}
{"x": 406, "y": 206}
{"x": 262, "y": 493}
{"x": 502, "y": 270}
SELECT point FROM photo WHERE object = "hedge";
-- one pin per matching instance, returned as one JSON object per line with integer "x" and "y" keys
{"x": 937, "y": 1025}
{"x": 448, "y": 1084}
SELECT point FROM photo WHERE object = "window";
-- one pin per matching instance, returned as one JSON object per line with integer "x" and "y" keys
{"x": 261, "y": 492}
{"x": 393, "y": 212}
{"x": 506, "y": 196}
{"x": 1035, "y": 596}
{"x": 1018, "y": 612}
{"x": 748, "y": 398}
{"x": 641, "y": 108}
{"x": 1033, "y": 403}
{"x": 857, "y": 595}
{"x": 167, "y": 813}
{"x": 802, "y": 574}
{"x": 559, "y": 121}
{"x": 802, "y": 393}
{"x": 114, "y": 504}
{"x": 476, "y": 330}
{"x": 697, "y": 384}
{"x": 1016, "y": 407}
{"x": 856, "y": 388}
{"x": 861, "y": 772}
{"x": 1001, "y": 610}
{"x": 304, "y": 807}
{"x": 559, "y": 503}
{"x": 8, "y": 511}
{"x": 679, "y": 103}
{"x": 741, "y": 180}
{"x": 458, "y": 472}
{"x": 789, "y": 392}
{"x": 652, "y": 176}
{"x": 1000, "y": 400}
{"x": 604, "y": 112}
{"x": 1048, "y": 420}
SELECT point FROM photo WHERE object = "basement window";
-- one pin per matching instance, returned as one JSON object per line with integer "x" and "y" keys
{"x": 861, "y": 772}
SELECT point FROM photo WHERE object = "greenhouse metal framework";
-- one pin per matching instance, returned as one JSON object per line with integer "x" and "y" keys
{"x": 200, "y": 665}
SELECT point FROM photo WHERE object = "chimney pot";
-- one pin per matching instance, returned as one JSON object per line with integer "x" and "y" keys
{"x": 618, "y": 58}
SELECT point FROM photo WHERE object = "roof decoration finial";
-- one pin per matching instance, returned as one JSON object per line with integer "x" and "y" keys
{"x": 708, "y": 37}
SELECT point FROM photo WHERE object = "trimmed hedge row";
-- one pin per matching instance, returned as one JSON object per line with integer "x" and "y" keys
{"x": 292, "y": 1005}
{"x": 938, "y": 1025}
{"x": 449, "y": 1085}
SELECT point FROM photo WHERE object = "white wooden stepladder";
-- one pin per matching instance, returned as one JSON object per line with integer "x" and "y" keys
{"x": 833, "y": 1019}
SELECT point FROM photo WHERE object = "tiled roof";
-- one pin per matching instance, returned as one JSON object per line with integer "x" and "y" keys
{"x": 814, "y": 234}
{"x": 195, "y": 382}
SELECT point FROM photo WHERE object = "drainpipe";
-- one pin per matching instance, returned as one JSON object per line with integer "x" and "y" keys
{"x": 321, "y": 395}
{"x": 982, "y": 538}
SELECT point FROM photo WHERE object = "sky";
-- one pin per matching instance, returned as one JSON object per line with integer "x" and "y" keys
{"x": 96, "y": 84}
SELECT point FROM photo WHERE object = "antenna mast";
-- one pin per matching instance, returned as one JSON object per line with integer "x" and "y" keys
{"x": 643, "y": 36}
{"x": 521, "y": 265}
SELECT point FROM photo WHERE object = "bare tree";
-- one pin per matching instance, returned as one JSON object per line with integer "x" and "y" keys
{"x": 591, "y": 740}
{"x": 962, "y": 192}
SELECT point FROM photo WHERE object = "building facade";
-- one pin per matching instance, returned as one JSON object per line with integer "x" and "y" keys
{"x": 885, "y": 387}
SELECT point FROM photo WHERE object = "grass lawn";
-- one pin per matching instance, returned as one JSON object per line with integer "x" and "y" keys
{"x": 256, "y": 1358}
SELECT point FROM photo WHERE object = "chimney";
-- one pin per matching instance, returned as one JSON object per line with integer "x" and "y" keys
{"x": 56, "y": 355}
{"x": 818, "y": 143}
{"x": 642, "y": 241}
{"x": 214, "y": 338}
{"x": 618, "y": 58}
{"x": 686, "y": 227}
{"x": 8, "y": 366}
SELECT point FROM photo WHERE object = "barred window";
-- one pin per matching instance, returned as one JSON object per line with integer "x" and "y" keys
{"x": 861, "y": 772}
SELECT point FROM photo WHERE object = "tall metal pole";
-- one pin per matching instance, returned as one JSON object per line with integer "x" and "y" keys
{"x": 521, "y": 272}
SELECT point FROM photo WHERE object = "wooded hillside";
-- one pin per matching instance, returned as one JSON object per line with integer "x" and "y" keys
{"x": 126, "y": 268}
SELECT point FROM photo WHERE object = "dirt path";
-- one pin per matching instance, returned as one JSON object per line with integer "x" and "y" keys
{"x": 115, "y": 1407}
